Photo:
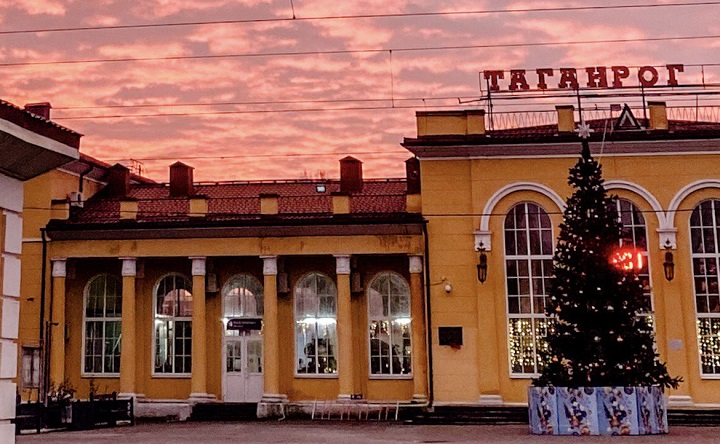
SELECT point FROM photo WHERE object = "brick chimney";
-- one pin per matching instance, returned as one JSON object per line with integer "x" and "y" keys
{"x": 351, "y": 178}
{"x": 566, "y": 118}
{"x": 412, "y": 173}
{"x": 40, "y": 109}
{"x": 181, "y": 180}
{"x": 118, "y": 181}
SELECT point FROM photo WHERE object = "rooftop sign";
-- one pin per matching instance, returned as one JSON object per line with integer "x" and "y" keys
{"x": 591, "y": 77}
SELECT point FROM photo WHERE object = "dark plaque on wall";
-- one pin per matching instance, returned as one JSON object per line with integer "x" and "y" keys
{"x": 451, "y": 336}
{"x": 244, "y": 324}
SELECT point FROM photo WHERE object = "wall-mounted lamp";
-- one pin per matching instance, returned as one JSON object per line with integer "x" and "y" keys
{"x": 448, "y": 288}
{"x": 482, "y": 265}
{"x": 669, "y": 265}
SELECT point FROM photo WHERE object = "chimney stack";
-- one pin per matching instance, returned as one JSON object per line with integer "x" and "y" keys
{"x": 118, "y": 181}
{"x": 351, "y": 178}
{"x": 181, "y": 180}
{"x": 40, "y": 109}
{"x": 412, "y": 173}
{"x": 566, "y": 118}
{"x": 658, "y": 116}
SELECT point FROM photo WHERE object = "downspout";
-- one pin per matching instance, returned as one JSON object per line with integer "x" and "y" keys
{"x": 48, "y": 341}
{"x": 42, "y": 389}
{"x": 428, "y": 316}
{"x": 82, "y": 176}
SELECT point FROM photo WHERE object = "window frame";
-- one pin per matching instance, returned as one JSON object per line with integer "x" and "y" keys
{"x": 715, "y": 202}
{"x": 529, "y": 258}
{"x": 154, "y": 373}
{"x": 317, "y": 375}
{"x": 103, "y": 320}
{"x": 390, "y": 319}
{"x": 33, "y": 349}
{"x": 646, "y": 252}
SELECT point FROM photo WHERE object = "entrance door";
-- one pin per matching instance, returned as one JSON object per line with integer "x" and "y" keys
{"x": 243, "y": 367}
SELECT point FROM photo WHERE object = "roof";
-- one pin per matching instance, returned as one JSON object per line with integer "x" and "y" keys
{"x": 39, "y": 125}
{"x": 300, "y": 202}
{"x": 546, "y": 140}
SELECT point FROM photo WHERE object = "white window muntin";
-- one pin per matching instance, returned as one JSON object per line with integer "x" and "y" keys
{"x": 634, "y": 223}
{"x": 401, "y": 319}
{"x": 171, "y": 323}
{"x": 104, "y": 319}
{"x": 242, "y": 297}
{"x": 538, "y": 320}
{"x": 316, "y": 313}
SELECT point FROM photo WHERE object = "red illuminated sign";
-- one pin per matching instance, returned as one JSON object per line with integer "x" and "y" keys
{"x": 591, "y": 77}
{"x": 628, "y": 260}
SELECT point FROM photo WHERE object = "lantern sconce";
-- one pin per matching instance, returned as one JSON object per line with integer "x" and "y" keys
{"x": 669, "y": 264}
{"x": 482, "y": 266}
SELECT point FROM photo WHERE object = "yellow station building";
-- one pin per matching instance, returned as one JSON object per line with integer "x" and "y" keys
{"x": 287, "y": 292}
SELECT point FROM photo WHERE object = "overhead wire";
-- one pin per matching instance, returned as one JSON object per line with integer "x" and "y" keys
{"x": 295, "y": 18}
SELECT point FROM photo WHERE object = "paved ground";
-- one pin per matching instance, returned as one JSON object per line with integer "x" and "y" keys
{"x": 344, "y": 433}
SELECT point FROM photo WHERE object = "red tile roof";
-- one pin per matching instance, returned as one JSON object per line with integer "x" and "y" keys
{"x": 239, "y": 202}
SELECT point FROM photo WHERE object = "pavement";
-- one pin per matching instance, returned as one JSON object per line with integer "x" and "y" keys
{"x": 345, "y": 433}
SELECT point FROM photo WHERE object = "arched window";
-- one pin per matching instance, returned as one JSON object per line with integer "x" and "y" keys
{"x": 528, "y": 263}
{"x": 103, "y": 319}
{"x": 704, "y": 226}
{"x": 634, "y": 235}
{"x": 173, "y": 324}
{"x": 389, "y": 318}
{"x": 315, "y": 325}
{"x": 242, "y": 298}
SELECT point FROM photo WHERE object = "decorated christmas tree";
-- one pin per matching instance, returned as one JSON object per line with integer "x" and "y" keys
{"x": 599, "y": 338}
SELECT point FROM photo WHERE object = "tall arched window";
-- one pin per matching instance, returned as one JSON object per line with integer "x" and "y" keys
{"x": 315, "y": 325}
{"x": 528, "y": 263}
{"x": 173, "y": 324}
{"x": 242, "y": 298}
{"x": 704, "y": 227}
{"x": 634, "y": 235}
{"x": 389, "y": 318}
{"x": 103, "y": 319}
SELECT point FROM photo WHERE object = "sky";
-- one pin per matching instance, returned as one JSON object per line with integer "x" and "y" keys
{"x": 225, "y": 99}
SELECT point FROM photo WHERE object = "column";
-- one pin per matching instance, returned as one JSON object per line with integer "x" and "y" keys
{"x": 57, "y": 326}
{"x": 128, "y": 343}
{"x": 419, "y": 339}
{"x": 198, "y": 379}
{"x": 272, "y": 402}
{"x": 344, "y": 329}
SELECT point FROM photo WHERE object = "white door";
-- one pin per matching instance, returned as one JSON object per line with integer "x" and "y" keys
{"x": 243, "y": 368}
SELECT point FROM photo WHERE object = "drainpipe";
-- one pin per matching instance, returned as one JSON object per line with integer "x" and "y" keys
{"x": 48, "y": 342}
{"x": 428, "y": 316}
{"x": 42, "y": 389}
{"x": 82, "y": 176}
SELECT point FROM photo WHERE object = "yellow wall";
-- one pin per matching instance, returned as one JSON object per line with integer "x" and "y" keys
{"x": 455, "y": 193}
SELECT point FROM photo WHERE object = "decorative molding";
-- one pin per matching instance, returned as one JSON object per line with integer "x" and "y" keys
{"x": 270, "y": 265}
{"x": 416, "y": 264}
{"x": 642, "y": 192}
{"x": 342, "y": 263}
{"x": 513, "y": 188}
{"x": 483, "y": 240}
{"x": 129, "y": 266}
{"x": 59, "y": 267}
{"x": 680, "y": 401}
{"x": 490, "y": 400}
{"x": 684, "y": 193}
{"x": 668, "y": 238}
{"x": 198, "y": 265}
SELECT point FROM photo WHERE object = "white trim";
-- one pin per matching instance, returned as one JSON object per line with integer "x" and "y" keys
{"x": 504, "y": 192}
{"x": 153, "y": 373}
{"x": 642, "y": 192}
{"x": 342, "y": 264}
{"x": 34, "y": 138}
{"x": 270, "y": 267}
{"x": 31, "y": 239}
{"x": 686, "y": 191}
{"x": 89, "y": 179}
{"x": 198, "y": 267}
{"x": 316, "y": 375}
{"x": 389, "y": 319}
{"x": 129, "y": 266}
{"x": 416, "y": 264}
{"x": 59, "y": 267}
{"x": 11, "y": 194}
{"x": 103, "y": 320}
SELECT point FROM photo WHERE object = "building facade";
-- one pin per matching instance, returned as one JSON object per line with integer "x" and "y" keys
{"x": 500, "y": 195}
{"x": 30, "y": 145}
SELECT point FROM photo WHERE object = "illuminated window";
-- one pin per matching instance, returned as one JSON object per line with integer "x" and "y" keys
{"x": 31, "y": 367}
{"x": 102, "y": 325}
{"x": 389, "y": 318}
{"x": 704, "y": 226}
{"x": 528, "y": 264}
{"x": 173, "y": 324}
{"x": 316, "y": 325}
{"x": 634, "y": 237}
{"x": 242, "y": 298}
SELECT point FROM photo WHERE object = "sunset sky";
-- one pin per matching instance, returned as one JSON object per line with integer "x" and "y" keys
{"x": 315, "y": 138}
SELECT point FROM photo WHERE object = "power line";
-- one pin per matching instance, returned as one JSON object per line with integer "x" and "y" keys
{"x": 295, "y": 18}
{"x": 248, "y": 156}
{"x": 361, "y": 51}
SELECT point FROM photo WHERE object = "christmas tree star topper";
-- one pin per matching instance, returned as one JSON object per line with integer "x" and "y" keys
{"x": 584, "y": 130}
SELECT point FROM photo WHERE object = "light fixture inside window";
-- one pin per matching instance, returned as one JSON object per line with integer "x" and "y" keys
{"x": 320, "y": 188}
